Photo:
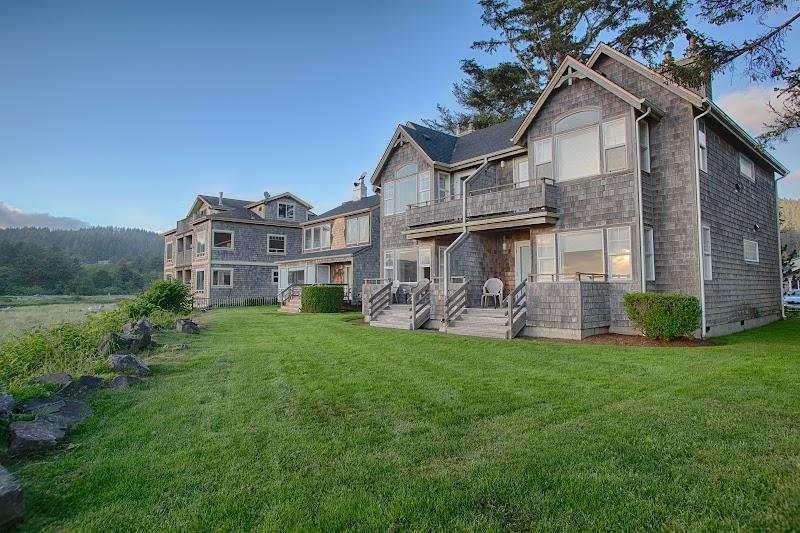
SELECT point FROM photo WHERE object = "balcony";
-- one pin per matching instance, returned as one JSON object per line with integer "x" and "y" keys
{"x": 491, "y": 202}
{"x": 183, "y": 257}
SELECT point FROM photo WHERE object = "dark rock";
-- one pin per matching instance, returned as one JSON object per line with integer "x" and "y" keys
{"x": 31, "y": 437}
{"x": 123, "y": 343}
{"x": 83, "y": 386}
{"x": 42, "y": 406}
{"x": 56, "y": 378}
{"x": 124, "y": 382}
{"x": 128, "y": 363}
{"x": 7, "y": 403}
{"x": 185, "y": 325}
{"x": 181, "y": 346}
{"x": 72, "y": 412}
{"x": 10, "y": 500}
{"x": 140, "y": 327}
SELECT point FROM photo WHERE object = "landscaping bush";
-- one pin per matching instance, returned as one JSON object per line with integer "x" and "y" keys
{"x": 663, "y": 315}
{"x": 322, "y": 299}
{"x": 170, "y": 295}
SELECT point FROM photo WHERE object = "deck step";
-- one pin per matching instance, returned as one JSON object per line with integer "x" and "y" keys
{"x": 457, "y": 328}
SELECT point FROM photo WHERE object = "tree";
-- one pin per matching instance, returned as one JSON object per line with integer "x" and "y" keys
{"x": 540, "y": 35}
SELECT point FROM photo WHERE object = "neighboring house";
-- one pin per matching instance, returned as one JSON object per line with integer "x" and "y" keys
{"x": 618, "y": 180}
{"x": 228, "y": 249}
{"x": 340, "y": 246}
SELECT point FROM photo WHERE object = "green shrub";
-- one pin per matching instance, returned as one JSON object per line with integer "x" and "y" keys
{"x": 170, "y": 295}
{"x": 663, "y": 315}
{"x": 322, "y": 299}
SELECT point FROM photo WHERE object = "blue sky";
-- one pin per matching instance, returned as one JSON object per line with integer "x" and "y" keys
{"x": 120, "y": 112}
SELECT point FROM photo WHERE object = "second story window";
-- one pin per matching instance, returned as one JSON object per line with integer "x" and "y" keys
{"x": 702, "y": 146}
{"x": 521, "y": 172}
{"x": 357, "y": 231}
{"x": 222, "y": 240}
{"x": 644, "y": 146}
{"x": 750, "y": 251}
{"x": 543, "y": 159}
{"x": 411, "y": 187}
{"x": 317, "y": 238}
{"x": 615, "y": 150}
{"x": 168, "y": 255}
{"x": 746, "y": 168}
{"x": 200, "y": 244}
{"x": 276, "y": 244}
{"x": 285, "y": 211}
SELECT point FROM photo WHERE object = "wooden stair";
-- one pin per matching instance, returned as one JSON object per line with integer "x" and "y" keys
{"x": 478, "y": 322}
{"x": 292, "y": 305}
{"x": 395, "y": 316}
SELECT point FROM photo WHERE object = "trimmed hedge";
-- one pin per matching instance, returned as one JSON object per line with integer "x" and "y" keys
{"x": 663, "y": 315}
{"x": 322, "y": 299}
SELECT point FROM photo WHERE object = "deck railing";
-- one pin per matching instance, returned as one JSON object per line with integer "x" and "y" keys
{"x": 517, "y": 309}
{"x": 420, "y": 304}
{"x": 295, "y": 290}
{"x": 454, "y": 305}
{"x": 378, "y": 300}
{"x": 244, "y": 301}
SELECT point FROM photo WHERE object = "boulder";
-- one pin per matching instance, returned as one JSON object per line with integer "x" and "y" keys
{"x": 140, "y": 327}
{"x": 68, "y": 415}
{"x": 123, "y": 343}
{"x": 32, "y": 437}
{"x": 7, "y": 403}
{"x": 56, "y": 378}
{"x": 42, "y": 406}
{"x": 128, "y": 363}
{"x": 124, "y": 382}
{"x": 179, "y": 347}
{"x": 83, "y": 386}
{"x": 10, "y": 500}
{"x": 185, "y": 325}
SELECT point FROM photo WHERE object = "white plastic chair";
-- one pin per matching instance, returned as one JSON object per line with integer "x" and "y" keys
{"x": 493, "y": 288}
{"x": 395, "y": 286}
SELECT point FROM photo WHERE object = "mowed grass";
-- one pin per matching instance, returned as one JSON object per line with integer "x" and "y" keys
{"x": 23, "y": 312}
{"x": 276, "y": 422}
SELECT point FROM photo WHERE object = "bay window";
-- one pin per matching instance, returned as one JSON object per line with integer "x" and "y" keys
{"x": 619, "y": 253}
{"x": 581, "y": 252}
{"x": 357, "y": 230}
{"x": 545, "y": 257}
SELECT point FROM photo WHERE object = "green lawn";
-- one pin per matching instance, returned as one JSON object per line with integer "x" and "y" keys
{"x": 275, "y": 422}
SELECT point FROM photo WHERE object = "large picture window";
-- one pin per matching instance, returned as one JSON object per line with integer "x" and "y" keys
{"x": 412, "y": 188}
{"x": 317, "y": 238}
{"x": 581, "y": 252}
{"x": 578, "y": 143}
{"x": 619, "y": 253}
{"x": 223, "y": 239}
{"x": 407, "y": 265}
{"x": 545, "y": 257}
{"x": 357, "y": 230}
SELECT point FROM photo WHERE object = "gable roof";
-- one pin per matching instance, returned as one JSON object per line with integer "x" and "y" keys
{"x": 213, "y": 201}
{"x": 278, "y": 197}
{"x": 352, "y": 206}
{"x": 570, "y": 69}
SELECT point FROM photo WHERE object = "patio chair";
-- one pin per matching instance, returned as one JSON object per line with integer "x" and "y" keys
{"x": 492, "y": 289}
{"x": 395, "y": 287}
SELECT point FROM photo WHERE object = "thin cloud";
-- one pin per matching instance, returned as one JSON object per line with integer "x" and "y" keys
{"x": 750, "y": 107}
{"x": 12, "y": 217}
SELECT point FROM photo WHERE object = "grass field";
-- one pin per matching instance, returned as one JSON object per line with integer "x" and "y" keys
{"x": 275, "y": 422}
{"x": 22, "y": 312}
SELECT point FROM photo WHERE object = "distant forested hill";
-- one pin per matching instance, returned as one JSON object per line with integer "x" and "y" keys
{"x": 790, "y": 223}
{"x": 45, "y": 261}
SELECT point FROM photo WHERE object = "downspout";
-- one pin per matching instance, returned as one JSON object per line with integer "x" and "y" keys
{"x": 464, "y": 231}
{"x": 780, "y": 249}
{"x": 700, "y": 219}
{"x": 642, "y": 275}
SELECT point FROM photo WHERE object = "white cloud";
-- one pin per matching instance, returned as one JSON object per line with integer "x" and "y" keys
{"x": 12, "y": 217}
{"x": 750, "y": 107}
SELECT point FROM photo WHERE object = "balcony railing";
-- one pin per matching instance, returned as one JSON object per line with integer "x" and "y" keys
{"x": 184, "y": 257}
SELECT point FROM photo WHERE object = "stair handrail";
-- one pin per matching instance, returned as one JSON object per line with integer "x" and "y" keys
{"x": 420, "y": 303}
{"x": 379, "y": 300}
{"x": 517, "y": 309}
{"x": 286, "y": 294}
{"x": 454, "y": 305}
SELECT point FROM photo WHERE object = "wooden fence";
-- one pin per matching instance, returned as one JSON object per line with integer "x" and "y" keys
{"x": 207, "y": 303}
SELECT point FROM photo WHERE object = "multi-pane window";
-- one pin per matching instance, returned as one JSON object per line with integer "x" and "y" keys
{"x": 619, "y": 253}
{"x": 746, "y": 168}
{"x": 276, "y": 244}
{"x": 649, "y": 255}
{"x": 644, "y": 145}
{"x": 581, "y": 252}
{"x": 707, "y": 271}
{"x": 317, "y": 238}
{"x": 521, "y": 172}
{"x": 200, "y": 280}
{"x": 615, "y": 150}
{"x": 275, "y": 276}
{"x": 222, "y": 277}
{"x": 357, "y": 230}
{"x": 285, "y": 211}
{"x": 546, "y": 257}
{"x": 388, "y": 265}
{"x": 200, "y": 244}
{"x": 543, "y": 159}
{"x": 168, "y": 254}
{"x": 412, "y": 188}
{"x": 750, "y": 251}
{"x": 222, "y": 239}
{"x": 702, "y": 146}
{"x": 388, "y": 198}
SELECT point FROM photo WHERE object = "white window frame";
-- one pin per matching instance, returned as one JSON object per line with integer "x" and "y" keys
{"x": 754, "y": 247}
{"x": 201, "y": 238}
{"x": 746, "y": 163}
{"x": 606, "y": 146}
{"x": 229, "y": 232}
{"x": 443, "y": 186}
{"x": 213, "y": 270}
{"x": 597, "y": 170}
{"x": 287, "y": 205}
{"x": 169, "y": 251}
{"x": 196, "y": 276}
{"x": 276, "y": 276}
{"x": 388, "y": 254}
{"x": 359, "y": 221}
{"x": 560, "y": 249}
{"x": 649, "y": 255}
{"x": 609, "y": 255}
{"x": 309, "y": 245}
{"x": 521, "y": 181}
{"x": 422, "y": 191}
{"x": 543, "y": 147}
{"x": 644, "y": 145}
{"x": 702, "y": 145}
{"x": 540, "y": 258}
{"x": 270, "y": 249}
{"x": 708, "y": 267}
{"x": 428, "y": 262}
{"x": 387, "y": 192}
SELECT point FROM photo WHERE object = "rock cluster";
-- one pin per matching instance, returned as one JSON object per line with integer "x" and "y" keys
{"x": 128, "y": 364}
{"x": 10, "y": 500}
{"x": 185, "y": 325}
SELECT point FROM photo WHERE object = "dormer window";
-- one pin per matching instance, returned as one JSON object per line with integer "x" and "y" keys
{"x": 285, "y": 211}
